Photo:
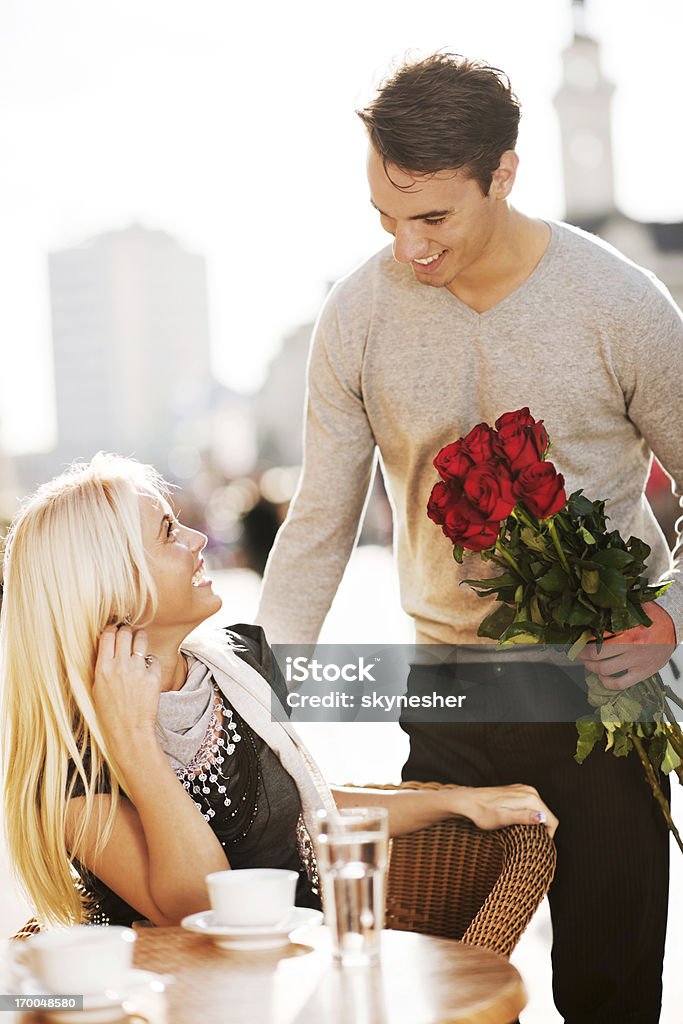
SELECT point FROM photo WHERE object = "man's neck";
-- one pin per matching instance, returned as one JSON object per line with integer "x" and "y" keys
{"x": 515, "y": 251}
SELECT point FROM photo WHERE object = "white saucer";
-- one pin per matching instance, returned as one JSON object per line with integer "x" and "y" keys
{"x": 265, "y": 937}
{"x": 99, "y": 1007}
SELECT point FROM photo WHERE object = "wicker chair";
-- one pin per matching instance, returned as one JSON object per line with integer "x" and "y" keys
{"x": 32, "y": 927}
{"x": 460, "y": 882}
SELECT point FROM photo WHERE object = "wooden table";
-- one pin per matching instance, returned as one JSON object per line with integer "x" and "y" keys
{"x": 421, "y": 980}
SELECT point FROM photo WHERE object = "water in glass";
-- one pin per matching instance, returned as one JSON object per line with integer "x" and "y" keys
{"x": 352, "y": 855}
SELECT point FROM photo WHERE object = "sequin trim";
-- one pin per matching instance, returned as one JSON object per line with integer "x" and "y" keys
{"x": 205, "y": 770}
{"x": 307, "y": 856}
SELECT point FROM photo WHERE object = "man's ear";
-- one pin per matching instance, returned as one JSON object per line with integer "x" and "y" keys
{"x": 504, "y": 176}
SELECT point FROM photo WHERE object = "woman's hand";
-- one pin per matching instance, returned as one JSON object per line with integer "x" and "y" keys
{"x": 127, "y": 686}
{"x": 491, "y": 807}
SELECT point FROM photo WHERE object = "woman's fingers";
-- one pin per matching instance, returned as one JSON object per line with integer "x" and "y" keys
{"x": 106, "y": 646}
{"x": 537, "y": 812}
{"x": 121, "y": 642}
{"x": 139, "y": 647}
{"x": 515, "y": 805}
{"x": 543, "y": 816}
{"x": 124, "y": 642}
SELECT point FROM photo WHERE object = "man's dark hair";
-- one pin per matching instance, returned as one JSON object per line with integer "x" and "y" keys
{"x": 444, "y": 113}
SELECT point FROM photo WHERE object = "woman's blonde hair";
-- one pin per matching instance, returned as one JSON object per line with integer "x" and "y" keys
{"x": 74, "y": 562}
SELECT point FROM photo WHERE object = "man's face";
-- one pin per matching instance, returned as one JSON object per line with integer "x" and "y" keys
{"x": 442, "y": 224}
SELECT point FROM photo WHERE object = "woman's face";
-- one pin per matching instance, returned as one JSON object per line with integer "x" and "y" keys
{"x": 185, "y": 594}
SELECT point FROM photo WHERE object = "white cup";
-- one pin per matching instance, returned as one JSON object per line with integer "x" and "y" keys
{"x": 251, "y": 897}
{"x": 83, "y": 960}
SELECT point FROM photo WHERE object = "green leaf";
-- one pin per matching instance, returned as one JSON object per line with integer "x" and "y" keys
{"x": 626, "y": 708}
{"x": 590, "y": 731}
{"x": 495, "y": 624}
{"x": 522, "y": 633}
{"x": 579, "y": 505}
{"x": 671, "y": 761}
{"x": 521, "y": 639}
{"x": 506, "y": 579}
{"x": 626, "y": 618}
{"x": 579, "y": 644}
{"x": 656, "y": 749}
{"x": 562, "y": 608}
{"x": 557, "y": 636}
{"x": 622, "y": 744}
{"x": 590, "y": 580}
{"x": 533, "y": 540}
{"x": 608, "y": 715}
{"x": 587, "y": 535}
{"x": 555, "y": 581}
{"x": 581, "y": 616}
{"x": 612, "y": 558}
{"x": 458, "y": 552}
{"x": 638, "y": 549}
{"x": 612, "y": 590}
{"x": 536, "y": 613}
{"x": 653, "y": 592}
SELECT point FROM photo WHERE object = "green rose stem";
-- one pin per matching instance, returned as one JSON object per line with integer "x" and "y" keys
{"x": 508, "y": 558}
{"x": 552, "y": 530}
{"x": 668, "y": 692}
{"x": 654, "y": 785}
{"x": 524, "y": 517}
{"x": 658, "y": 695}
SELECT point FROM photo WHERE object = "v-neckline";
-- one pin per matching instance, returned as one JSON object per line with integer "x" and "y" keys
{"x": 533, "y": 278}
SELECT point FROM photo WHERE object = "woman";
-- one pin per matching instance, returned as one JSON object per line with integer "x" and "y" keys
{"x": 118, "y": 729}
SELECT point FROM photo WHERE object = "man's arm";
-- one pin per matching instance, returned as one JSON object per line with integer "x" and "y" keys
{"x": 655, "y": 406}
{"x": 314, "y": 544}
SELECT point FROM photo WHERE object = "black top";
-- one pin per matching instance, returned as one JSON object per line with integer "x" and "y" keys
{"x": 254, "y": 813}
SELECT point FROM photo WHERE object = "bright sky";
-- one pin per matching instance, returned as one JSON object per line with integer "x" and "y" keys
{"x": 231, "y": 126}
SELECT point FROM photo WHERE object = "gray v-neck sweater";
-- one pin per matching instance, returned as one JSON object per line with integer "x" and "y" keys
{"x": 592, "y": 343}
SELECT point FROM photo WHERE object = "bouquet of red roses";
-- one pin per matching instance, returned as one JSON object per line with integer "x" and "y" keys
{"x": 567, "y": 580}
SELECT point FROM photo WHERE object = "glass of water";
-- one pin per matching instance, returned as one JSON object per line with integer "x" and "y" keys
{"x": 351, "y": 846}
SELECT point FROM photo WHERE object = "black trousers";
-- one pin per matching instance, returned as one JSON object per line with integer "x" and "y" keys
{"x": 609, "y": 897}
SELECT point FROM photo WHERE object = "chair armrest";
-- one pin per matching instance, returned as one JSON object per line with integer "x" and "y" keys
{"x": 458, "y": 881}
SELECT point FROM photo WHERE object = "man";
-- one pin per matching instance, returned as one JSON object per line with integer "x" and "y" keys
{"x": 481, "y": 310}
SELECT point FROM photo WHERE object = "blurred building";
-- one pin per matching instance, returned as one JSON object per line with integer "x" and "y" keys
{"x": 279, "y": 405}
{"x": 9, "y": 489}
{"x": 583, "y": 104}
{"x": 279, "y": 412}
{"x": 131, "y": 343}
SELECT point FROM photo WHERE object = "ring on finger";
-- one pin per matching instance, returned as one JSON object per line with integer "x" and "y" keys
{"x": 148, "y": 658}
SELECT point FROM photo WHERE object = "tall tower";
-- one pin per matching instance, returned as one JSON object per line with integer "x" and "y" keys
{"x": 583, "y": 104}
{"x": 131, "y": 343}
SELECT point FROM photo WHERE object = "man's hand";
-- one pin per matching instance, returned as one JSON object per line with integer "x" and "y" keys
{"x": 629, "y": 657}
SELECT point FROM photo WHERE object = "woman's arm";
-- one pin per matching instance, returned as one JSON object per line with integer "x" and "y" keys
{"x": 161, "y": 847}
{"x": 489, "y": 807}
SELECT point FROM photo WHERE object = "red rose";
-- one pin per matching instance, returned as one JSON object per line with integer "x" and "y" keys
{"x": 520, "y": 418}
{"x": 488, "y": 487}
{"x": 463, "y": 525}
{"x": 541, "y": 488}
{"x": 520, "y": 444}
{"x": 438, "y": 502}
{"x": 452, "y": 462}
{"x": 478, "y": 444}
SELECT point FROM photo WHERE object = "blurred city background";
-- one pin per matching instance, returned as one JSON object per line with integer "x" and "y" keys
{"x": 178, "y": 189}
